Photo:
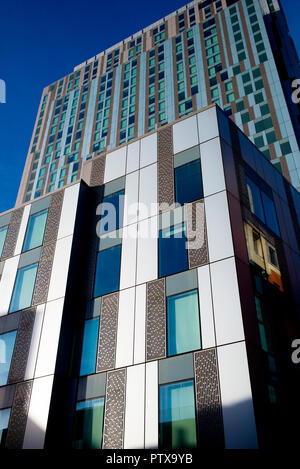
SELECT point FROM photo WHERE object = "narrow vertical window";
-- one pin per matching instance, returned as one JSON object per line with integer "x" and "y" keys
{"x": 3, "y": 232}
{"x": 35, "y": 230}
{"x": 88, "y": 425}
{"x": 7, "y": 343}
{"x": 172, "y": 250}
{"x": 188, "y": 182}
{"x": 23, "y": 289}
{"x": 107, "y": 277}
{"x": 89, "y": 347}
{"x": 4, "y": 419}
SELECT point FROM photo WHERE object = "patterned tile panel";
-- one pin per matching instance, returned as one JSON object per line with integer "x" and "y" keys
{"x": 53, "y": 219}
{"x": 208, "y": 400}
{"x": 113, "y": 433}
{"x": 165, "y": 167}
{"x": 22, "y": 346}
{"x": 156, "y": 320}
{"x": 18, "y": 416}
{"x": 44, "y": 274}
{"x": 108, "y": 333}
{"x": 12, "y": 233}
{"x": 97, "y": 173}
{"x": 197, "y": 243}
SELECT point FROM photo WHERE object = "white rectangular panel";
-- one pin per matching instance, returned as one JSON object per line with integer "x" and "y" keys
{"x": 207, "y": 124}
{"x": 124, "y": 350}
{"x": 7, "y": 283}
{"x": 148, "y": 150}
{"x": 68, "y": 211}
{"x": 185, "y": 134}
{"x": 133, "y": 157}
{"x": 131, "y": 198}
{"x": 140, "y": 324}
{"x": 22, "y": 230}
{"x": 151, "y": 406}
{"x": 60, "y": 268}
{"x": 35, "y": 341}
{"x": 212, "y": 167}
{"x": 38, "y": 413}
{"x": 134, "y": 408}
{"x": 148, "y": 192}
{"x": 219, "y": 234}
{"x": 206, "y": 310}
{"x": 236, "y": 395}
{"x": 49, "y": 338}
{"x": 147, "y": 262}
{"x": 115, "y": 165}
{"x": 128, "y": 259}
{"x": 226, "y": 302}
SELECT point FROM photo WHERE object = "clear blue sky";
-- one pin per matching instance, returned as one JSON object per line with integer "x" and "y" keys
{"x": 41, "y": 41}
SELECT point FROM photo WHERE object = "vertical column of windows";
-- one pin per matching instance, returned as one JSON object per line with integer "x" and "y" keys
{"x": 127, "y": 124}
{"x": 103, "y": 112}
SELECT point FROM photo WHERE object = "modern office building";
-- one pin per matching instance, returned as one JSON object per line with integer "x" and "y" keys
{"x": 235, "y": 53}
{"x": 168, "y": 325}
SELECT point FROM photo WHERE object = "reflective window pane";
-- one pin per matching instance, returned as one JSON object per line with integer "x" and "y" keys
{"x": 172, "y": 250}
{"x": 35, "y": 230}
{"x": 3, "y": 232}
{"x": 23, "y": 289}
{"x": 255, "y": 199}
{"x": 107, "y": 271}
{"x": 89, "y": 347}
{"x": 177, "y": 423}
{"x": 188, "y": 182}
{"x": 4, "y": 419}
{"x": 270, "y": 213}
{"x": 88, "y": 424}
{"x": 183, "y": 322}
{"x": 112, "y": 212}
{"x": 7, "y": 343}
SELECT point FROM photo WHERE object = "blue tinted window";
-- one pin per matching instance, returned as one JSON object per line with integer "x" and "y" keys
{"x": 23, "y": 289}
{"x": 112, "y": 212}
{"x": 172, "y": 250}
{"x": 88, "y": 425}
{"x": 4, "y": 419}
{"x": 107, "y": 271}
{"x": 89, "y": 347}
{"x": 188, "y": 182}
{"x": 183, "y": 327}
{"x": 35, "y": 230}
{"x": 177, "y": 422}
{"x": 270, "y": 213}
{"x": 255, "y": 199}
{"x": 7, "y": 343}
{"x": 3, "y": 232}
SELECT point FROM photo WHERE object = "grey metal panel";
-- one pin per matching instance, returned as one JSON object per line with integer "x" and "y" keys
{"x": 196, "y": 234}
{"x": 12, "y": 233}
{"x": 181, "y": 282}
{"x": 156, "y": 320}
{"x": 18, "y": 416}
{"x": 5, "y": 220}
{"x": 40, "y": 205}
{"x": 114, "y": 186}
{"x": 208, "y": 400}
{"x": 176, "y": 368}
{"x": 113, "y": 432}
{"x": 40, "y": 293}
{"x": 7, "y": 396}
{"x": 186, "y": 156}
{"x": 91, "y": 387}
{"x": 10, "y": 322}
{"x": 30, "y": 257}
{"x": 53, "y": 219}
{"x": 106, "y": 356}
{"x": 22, "y": 346}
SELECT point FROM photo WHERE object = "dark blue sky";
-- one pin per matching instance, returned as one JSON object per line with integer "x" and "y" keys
{"x": 41, "y": 41}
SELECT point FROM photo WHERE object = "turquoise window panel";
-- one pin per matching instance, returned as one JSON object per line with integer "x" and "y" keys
{"x": 177, "y": 422}
{"x": 88, "y": 424}
{"x": 183, "y": 325}
{"x": 3, "y": 233}
{"x": 35, "y": 230}
{"x": 89, "y": 347}
{"x": 7, "y": 343}
{"x": 23, "y": 289}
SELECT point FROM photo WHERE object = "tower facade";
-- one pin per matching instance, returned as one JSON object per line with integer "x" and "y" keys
{"x": 237, "y": 54}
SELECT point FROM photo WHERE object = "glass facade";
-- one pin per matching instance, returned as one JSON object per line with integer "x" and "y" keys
{"x": 107, "y": 277}
{"x": 4, "y": 419}
{"x": 3, "y": 233}
{"x": 23, "y": 289}
{"x": 7, "y": 343}
{"x": 35, "y": 230}
{"x": 112, "y": 212}
{"x": 177, "y": 418}
{"x": 88, "y": 425}
{"x": 188, "y": 182}
{"x": 89, "y": 347}
{"x": 172, "y": 250}
{"x": 183, "y": 328}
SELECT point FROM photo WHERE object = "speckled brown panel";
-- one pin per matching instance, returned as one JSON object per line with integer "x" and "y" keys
{"x": 113, "y": 433}
{"x": 12, "y": 233}
{"x": 196, "y": 234}
{"x": 208, "y": 400}
{"x": 53, "y": 219}
{"x": 156, "y": 320}
{"x": 97, "y": 173}
{"x": 18, "y": 416}
{"x": 40, "y": 293}
{"x": 22, "y": 346}
{"x": 108, "y": 333}
{"x": 165, "y": 166}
